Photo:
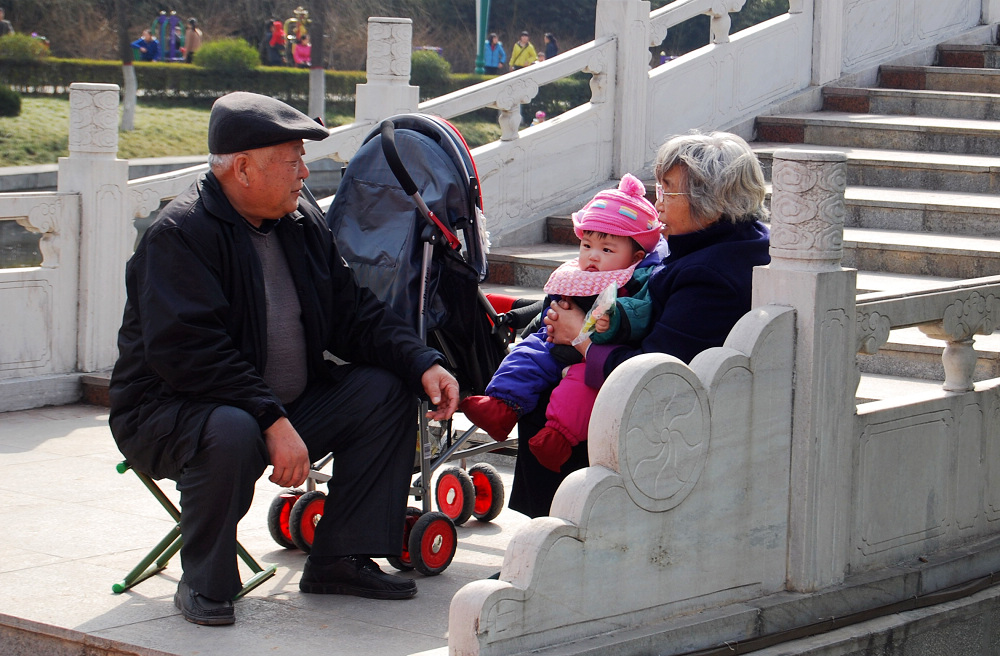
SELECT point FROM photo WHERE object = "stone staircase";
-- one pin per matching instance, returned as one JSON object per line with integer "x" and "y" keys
{"x": 923, "y": 196}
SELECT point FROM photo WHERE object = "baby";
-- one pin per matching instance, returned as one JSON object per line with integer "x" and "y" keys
{"x": 620, "y": 244}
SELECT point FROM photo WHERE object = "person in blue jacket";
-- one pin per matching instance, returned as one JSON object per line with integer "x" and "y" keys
{"x": 148, "y": 47}
{"x": 494, "y": 56}
{"x": 710, "y": 199}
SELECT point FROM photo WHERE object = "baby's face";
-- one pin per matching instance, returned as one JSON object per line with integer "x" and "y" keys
{"x": 607, "y": 253}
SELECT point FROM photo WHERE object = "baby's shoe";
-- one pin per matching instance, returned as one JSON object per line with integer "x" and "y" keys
{"x": 492, "y": 415}
{"x": 551, "y": 448}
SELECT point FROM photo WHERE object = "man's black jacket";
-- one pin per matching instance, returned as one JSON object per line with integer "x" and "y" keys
{"x": 193, "y": 333}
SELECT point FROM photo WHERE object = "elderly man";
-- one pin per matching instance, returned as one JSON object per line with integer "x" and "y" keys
{"x": 234, "y": 295}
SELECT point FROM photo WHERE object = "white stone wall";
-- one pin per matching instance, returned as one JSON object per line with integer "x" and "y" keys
{"x": 685, "y": 506}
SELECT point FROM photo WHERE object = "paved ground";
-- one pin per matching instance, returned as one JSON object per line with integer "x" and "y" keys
{"x": 72, "y": 526}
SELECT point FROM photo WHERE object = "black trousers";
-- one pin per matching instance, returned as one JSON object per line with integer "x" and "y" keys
{"x": 534, "y": 486}
{"x": 365, "y": 417}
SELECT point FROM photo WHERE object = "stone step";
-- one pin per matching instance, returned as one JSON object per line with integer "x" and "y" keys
{"x": 883, "y": 387}
{"x": 940, "y": 78}
{"x": 977, "y": 174}
{"x": 969, "y": 56}
{"x": 952, "y": 104}
{"x": 883, "y": 131}
{"x": 919, "y": 210}
{"x": 865, "y": 248}
{"x": 94, "y": 387}
{"x": 911, "y": 354}
{"x": 935, "y": 256}
{"x": 923, "y": 254}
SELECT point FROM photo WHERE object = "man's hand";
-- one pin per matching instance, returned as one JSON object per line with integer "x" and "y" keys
{"x": 442, "y": 389}
{"x": 288, "y": 453}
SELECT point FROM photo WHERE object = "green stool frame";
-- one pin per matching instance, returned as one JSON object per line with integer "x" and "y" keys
{"x": 157, "y": 559}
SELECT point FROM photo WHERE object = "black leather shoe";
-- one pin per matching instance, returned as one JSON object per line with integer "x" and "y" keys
{"x": 200, "y": 609}
{"x": 355, "y": 575}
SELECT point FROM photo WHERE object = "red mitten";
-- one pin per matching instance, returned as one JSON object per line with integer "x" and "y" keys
{"x": 551, "y": 448}
{"x": 492, "y": 415}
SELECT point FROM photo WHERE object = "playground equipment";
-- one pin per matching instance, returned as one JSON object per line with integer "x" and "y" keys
{"x": 295, "y": 28}
{"x": 167, "y": 29}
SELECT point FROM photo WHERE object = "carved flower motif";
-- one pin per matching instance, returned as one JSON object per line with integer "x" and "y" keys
{"x": 664, "y": 457}
{"x": 793, "y": 177}
{"x": 791, "y": 208}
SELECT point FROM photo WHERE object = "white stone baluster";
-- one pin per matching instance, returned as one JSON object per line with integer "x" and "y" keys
{"x": 721, "y": 21}
{"x": 107, "y": 232}
{"x": 807, "y": 225}
{"x": 975, "y": 314}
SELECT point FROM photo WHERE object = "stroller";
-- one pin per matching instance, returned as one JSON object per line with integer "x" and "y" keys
{"x": 408, "y": 219}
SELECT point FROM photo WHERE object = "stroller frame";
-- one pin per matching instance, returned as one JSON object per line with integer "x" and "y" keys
{"x": 430, "y": 537}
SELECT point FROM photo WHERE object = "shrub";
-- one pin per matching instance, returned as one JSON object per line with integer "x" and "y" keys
{"x": 10, "y": 102}
{"x": 21, "y": 47}
{"x": 232, "y": 55}
{"x": 429, "y": 69}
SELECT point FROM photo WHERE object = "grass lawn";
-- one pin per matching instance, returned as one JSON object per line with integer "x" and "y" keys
{"x": 40, "y": 135}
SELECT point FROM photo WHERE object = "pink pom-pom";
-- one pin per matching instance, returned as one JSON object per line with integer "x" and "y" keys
{"x": 632, "y": 185}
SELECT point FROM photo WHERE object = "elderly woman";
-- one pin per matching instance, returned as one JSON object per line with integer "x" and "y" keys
{"x": 710, "y": 198}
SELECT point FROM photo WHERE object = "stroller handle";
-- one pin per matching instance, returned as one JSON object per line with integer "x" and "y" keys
{"x": 392, "y": 157}
{"x": 388, "y": 141}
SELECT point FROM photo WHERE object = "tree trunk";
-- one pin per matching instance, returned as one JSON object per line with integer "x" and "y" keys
{"x": 128, "y": 70}
{"x": 317, "y": 77}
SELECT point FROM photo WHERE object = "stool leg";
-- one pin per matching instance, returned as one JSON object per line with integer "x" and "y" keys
{"x": 156, "y": 560}
{"x": 161, "y": 553}
{"x": 261, "y": 574}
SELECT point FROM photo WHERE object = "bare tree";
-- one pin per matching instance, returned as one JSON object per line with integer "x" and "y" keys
{"x": 128, "y": 70}
{"x": 317, "y": 77}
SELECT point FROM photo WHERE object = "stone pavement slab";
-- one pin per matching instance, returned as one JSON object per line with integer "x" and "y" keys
{"x": 73, "y": 526}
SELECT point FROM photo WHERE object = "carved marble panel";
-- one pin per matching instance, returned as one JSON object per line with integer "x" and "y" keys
{"x": 389, "y": 48}
{"x": 93, "y": 127}
{"x": 991, "y": 453}
{"x": 872, "y": 331}
{"x": 25, "y": 345}
{"x": 903, "y": 484}
{"x": 662, "y": 453}
{"x": 763, "y": 70}
{"x": 808, "y": 210}
{"x": 969, "y": 474}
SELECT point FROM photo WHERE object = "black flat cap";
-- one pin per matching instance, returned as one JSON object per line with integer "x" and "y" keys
{"x": 244, "y": 121}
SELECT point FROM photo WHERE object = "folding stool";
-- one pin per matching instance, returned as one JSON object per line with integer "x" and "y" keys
{"x": 161, "y": 554}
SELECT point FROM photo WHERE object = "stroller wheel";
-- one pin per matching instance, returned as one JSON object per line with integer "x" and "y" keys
{"x": 433, "y": 542}
{"x": 403, "y": 562}
{"x": 489, "y": 491}
{"x": 278, "y": 516}
{"x": 456, "y": 494}
{"x": 305, "y": 515}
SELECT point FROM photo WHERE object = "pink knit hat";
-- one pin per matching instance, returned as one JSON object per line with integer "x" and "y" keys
{"x": 623, "y": 211}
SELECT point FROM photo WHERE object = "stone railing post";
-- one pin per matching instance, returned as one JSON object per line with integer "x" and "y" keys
{"x": 628, "y": 22}
{"x": 828, "y": 40}
{"x": 106, "y": 232}
{"x": 807, "y": 230}
{"x": 990, "y": 12}
{"x": 388, "y": 90}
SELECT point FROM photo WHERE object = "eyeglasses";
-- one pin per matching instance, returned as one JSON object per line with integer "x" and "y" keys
{"x": 660, "y": 194}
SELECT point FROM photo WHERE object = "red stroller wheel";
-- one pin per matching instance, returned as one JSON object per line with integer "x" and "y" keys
{"x": 305, "y": 515}
{"x": 278, "y": 517}
{"x": 456, "y": 494}
{"x": 489, "y": 491}
{"x": 433, "y": 542}
{"x": 403, "y": 562}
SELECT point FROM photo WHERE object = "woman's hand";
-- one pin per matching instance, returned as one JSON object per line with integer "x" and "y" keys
{"x": 563, "y": 321}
